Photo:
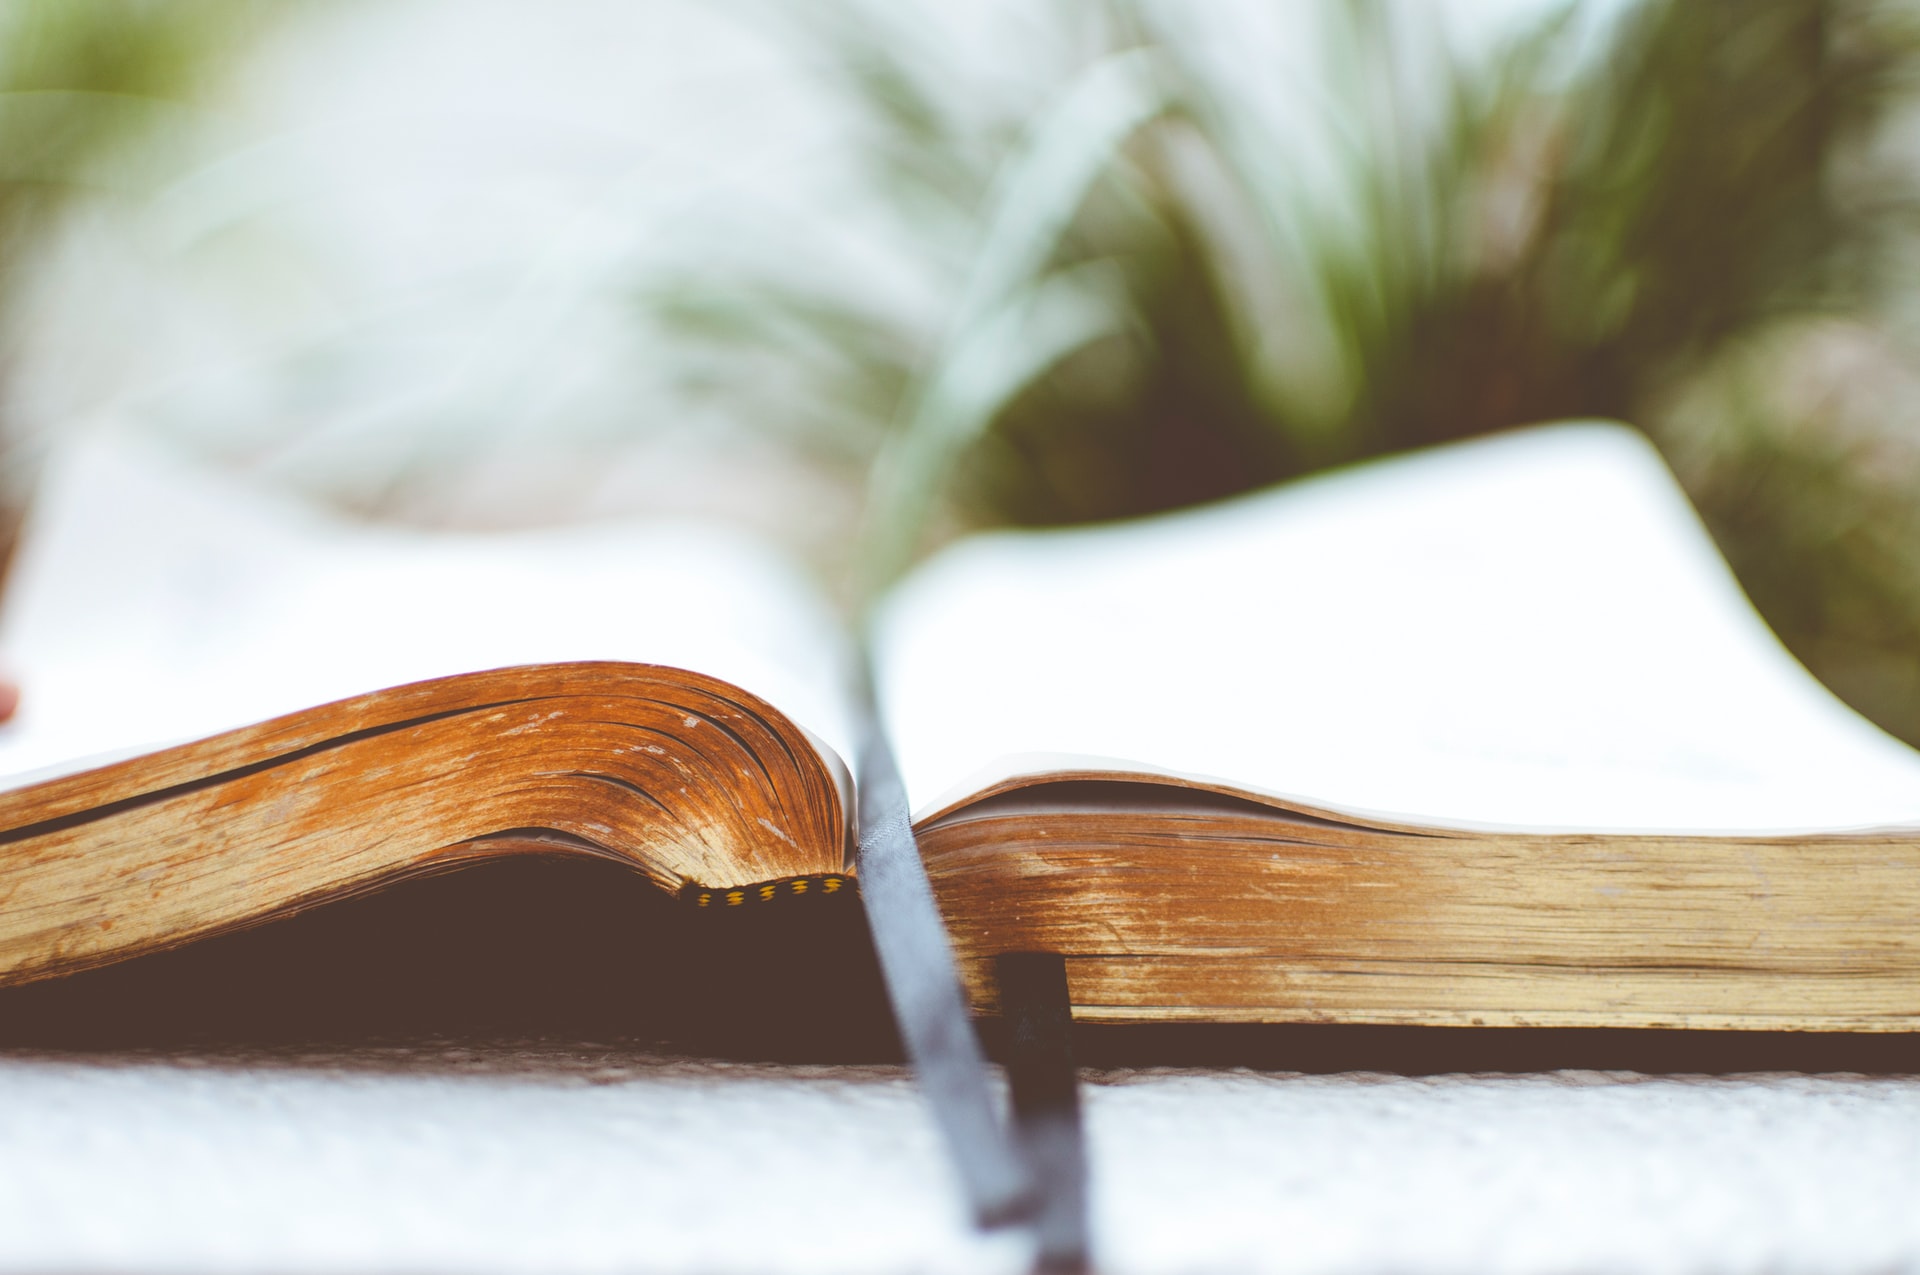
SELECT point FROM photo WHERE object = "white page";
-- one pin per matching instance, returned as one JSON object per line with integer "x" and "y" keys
{"x": 1531, "y": 630}
{"x": 154, "y": 602}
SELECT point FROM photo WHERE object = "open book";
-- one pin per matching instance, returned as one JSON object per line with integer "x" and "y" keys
{"x": 1487, "y": 735}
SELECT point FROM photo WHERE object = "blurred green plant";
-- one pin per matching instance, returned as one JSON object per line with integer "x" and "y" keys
{"x": 81, "y": 78}
{"x": 1167, "y": 286}
{"x": 83, "y": 85}
{"x": 91, "y": 91}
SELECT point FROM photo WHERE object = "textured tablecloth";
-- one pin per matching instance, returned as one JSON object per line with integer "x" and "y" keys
{"x": 511, "y": 1158}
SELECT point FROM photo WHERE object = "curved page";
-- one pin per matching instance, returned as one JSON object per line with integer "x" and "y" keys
{"x": 1532, "y": 631}
{"x": 154, "y": 602}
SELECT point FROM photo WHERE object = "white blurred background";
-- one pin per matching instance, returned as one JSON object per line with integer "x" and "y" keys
{"x": 393, "y": 256}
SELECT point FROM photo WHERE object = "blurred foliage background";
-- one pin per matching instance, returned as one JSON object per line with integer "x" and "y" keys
{"x": 1137, "y": 256}
{"x": 1698, "y": 216}
{"x": 83, "y": 83}
{"x": 97, "y": 105}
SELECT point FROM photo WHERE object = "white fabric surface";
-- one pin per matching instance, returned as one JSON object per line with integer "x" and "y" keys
{"x": 585, "y": 1160}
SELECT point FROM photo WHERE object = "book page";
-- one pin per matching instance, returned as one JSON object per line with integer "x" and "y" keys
{"x": 1529, "y": 631}
{"x": 154, "y": 602}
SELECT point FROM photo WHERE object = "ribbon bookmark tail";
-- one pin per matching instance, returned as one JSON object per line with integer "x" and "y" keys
{"x": 929, "y": 1005}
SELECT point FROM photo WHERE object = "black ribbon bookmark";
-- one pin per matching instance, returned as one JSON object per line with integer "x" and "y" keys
{"x": 1046, "y": 1102}
{"x": 929, "y": 1005}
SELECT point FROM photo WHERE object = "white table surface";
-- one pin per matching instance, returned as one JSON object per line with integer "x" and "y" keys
{"x": 573, "y": 1158}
